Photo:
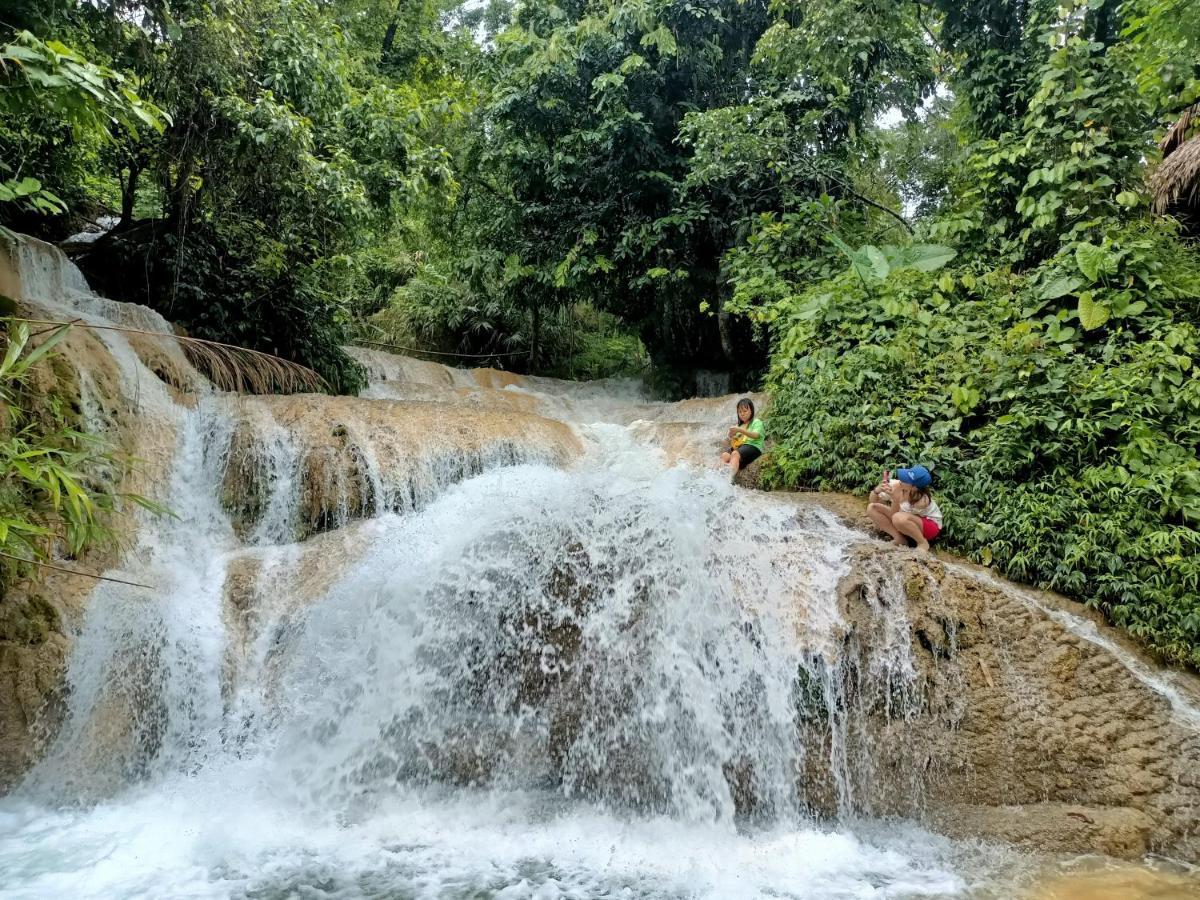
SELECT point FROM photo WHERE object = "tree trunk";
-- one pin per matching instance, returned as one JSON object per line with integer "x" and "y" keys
{"x": 129, "y": 194}
{"x": 537, "y": 331}
{"x": 389, "y": 37}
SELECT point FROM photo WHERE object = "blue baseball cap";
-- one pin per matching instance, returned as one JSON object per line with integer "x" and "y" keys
{"x": 917, "y": 476}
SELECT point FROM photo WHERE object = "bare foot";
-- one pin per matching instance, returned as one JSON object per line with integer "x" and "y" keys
{"x": 923, "y": 548}
{"x": 900, "y": 542}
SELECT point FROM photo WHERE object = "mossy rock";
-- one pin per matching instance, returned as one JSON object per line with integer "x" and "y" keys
{"x": 27, "y": 619}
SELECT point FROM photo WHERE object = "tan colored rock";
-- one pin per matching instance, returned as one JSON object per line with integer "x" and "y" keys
{"x": 83, "y": 379}
{"x": 692, "y": 443}
{"x": 1116, "y": 882}
{"x": 29, "y": 675}
{"x": 259, "y": 596}
{"x": 1051, "y": 827}
{"x": 1026, "y": 719}
{"x": 350, "y": 457}
{"x": 497, "y": 379}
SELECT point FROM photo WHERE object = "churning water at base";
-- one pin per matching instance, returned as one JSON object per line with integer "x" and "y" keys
{"x": 195, "y": 838}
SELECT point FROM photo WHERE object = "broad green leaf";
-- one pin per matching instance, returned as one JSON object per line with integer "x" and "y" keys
{"x": 1093, "y": 261}
{"x": 1059, "y": 287}
{"x": 661, "y": 38}
{"x": 871, "y": 262}
{"x": 1092, "y": 314}
{"x": 632, "y": 63}
{"x": 930, "y": 257}
{"x": 607, "y": 80}
{"x": 897, "y": 257}
{"x": 840, "y": 244}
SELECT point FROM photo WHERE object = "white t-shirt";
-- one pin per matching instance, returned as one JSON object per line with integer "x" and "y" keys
{"x": 930, "y": 511}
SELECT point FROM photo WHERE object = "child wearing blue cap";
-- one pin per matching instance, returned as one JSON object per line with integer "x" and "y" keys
{"x": 903, "y": 507}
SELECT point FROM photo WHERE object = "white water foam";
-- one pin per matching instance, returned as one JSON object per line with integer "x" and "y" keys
{"x": 406, "y": 746}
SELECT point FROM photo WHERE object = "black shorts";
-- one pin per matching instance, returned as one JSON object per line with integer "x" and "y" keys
{"x": 749, "y": 453}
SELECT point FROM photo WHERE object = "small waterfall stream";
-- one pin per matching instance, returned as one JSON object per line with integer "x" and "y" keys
{"x": 564, "y": 662}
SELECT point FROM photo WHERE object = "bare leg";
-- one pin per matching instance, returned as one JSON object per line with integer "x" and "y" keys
{"x": 881, "y": 516}
{"x": 910, "y": 526}
{"x": 735, "y": 461}
{"x": 725, "y": 458}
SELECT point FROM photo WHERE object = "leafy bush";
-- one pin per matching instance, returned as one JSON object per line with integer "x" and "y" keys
{"x": 1059, "y": 409}
{"x": 437, "y": 311}
{"x": 51, "y": 500}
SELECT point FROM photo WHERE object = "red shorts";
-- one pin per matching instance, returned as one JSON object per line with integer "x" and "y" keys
{"x": 930, "y": 528}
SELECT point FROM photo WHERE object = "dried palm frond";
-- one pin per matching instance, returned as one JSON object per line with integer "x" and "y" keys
{"x": 227, "y": 366}
{"x": 1177, "y": 134}
{"x": 238, "y": 369}
{"x": 1176, "y": 181}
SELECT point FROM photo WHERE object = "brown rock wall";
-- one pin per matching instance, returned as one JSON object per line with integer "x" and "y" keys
{"x": 1026, "y": 722}
{"x": 350, "y": 457}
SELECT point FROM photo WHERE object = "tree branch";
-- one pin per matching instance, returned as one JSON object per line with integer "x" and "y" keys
{"x": 34, "y": 562}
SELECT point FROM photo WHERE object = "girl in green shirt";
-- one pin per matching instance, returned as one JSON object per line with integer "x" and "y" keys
{"x": 745, "y": 438}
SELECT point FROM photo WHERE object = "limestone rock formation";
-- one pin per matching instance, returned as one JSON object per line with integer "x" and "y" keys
{"x": 346, "y": 458}
{"x": 1024, "y": 718}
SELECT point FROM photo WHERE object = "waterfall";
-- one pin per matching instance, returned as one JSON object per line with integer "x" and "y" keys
{"x": 508, "y": 646}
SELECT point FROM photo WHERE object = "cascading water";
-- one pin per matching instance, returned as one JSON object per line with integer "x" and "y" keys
{"x": 568, "y": 669}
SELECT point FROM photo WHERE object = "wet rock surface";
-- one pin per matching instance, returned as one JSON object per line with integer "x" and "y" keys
{"x": 94, "y": 390}
{"x": 30, "y": 674}
{"x": 346, "y": 458}
{"x": 1024, "y": 719}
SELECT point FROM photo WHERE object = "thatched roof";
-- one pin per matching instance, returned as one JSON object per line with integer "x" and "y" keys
{"x": 1175, "y": 183}
{"x": 1176, "y": 135}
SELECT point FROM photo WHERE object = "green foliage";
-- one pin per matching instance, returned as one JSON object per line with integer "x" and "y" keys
{"x": 49, "y": 505}
{"x": 631, "y": 146}
{"x": 916, "y": 160}
{"x": 874, "y": 264}
{"x": 1164, "y": 38}
{"x": 291, "y": 143}
{"x": 67, "y": 90}
{"x": 1049, "y": 377}
{"x": 1065, "y": 449}
{"x": 87, "y": 97}
{"x": 434, "y": 311}
{"x": 596, "y": 345}
{"x": 1069, "y": 164}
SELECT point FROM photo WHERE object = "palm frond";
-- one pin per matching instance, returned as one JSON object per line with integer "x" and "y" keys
{"x": 227, "y": 366}
{"x": 242, "y": 370}
{"x": 1176, "y": 181}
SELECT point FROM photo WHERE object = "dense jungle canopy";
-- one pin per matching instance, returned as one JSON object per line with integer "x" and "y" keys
{"x": 960, "y": 232}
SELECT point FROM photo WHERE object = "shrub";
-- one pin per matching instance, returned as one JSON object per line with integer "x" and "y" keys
{"x": 1059, "y": 409}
